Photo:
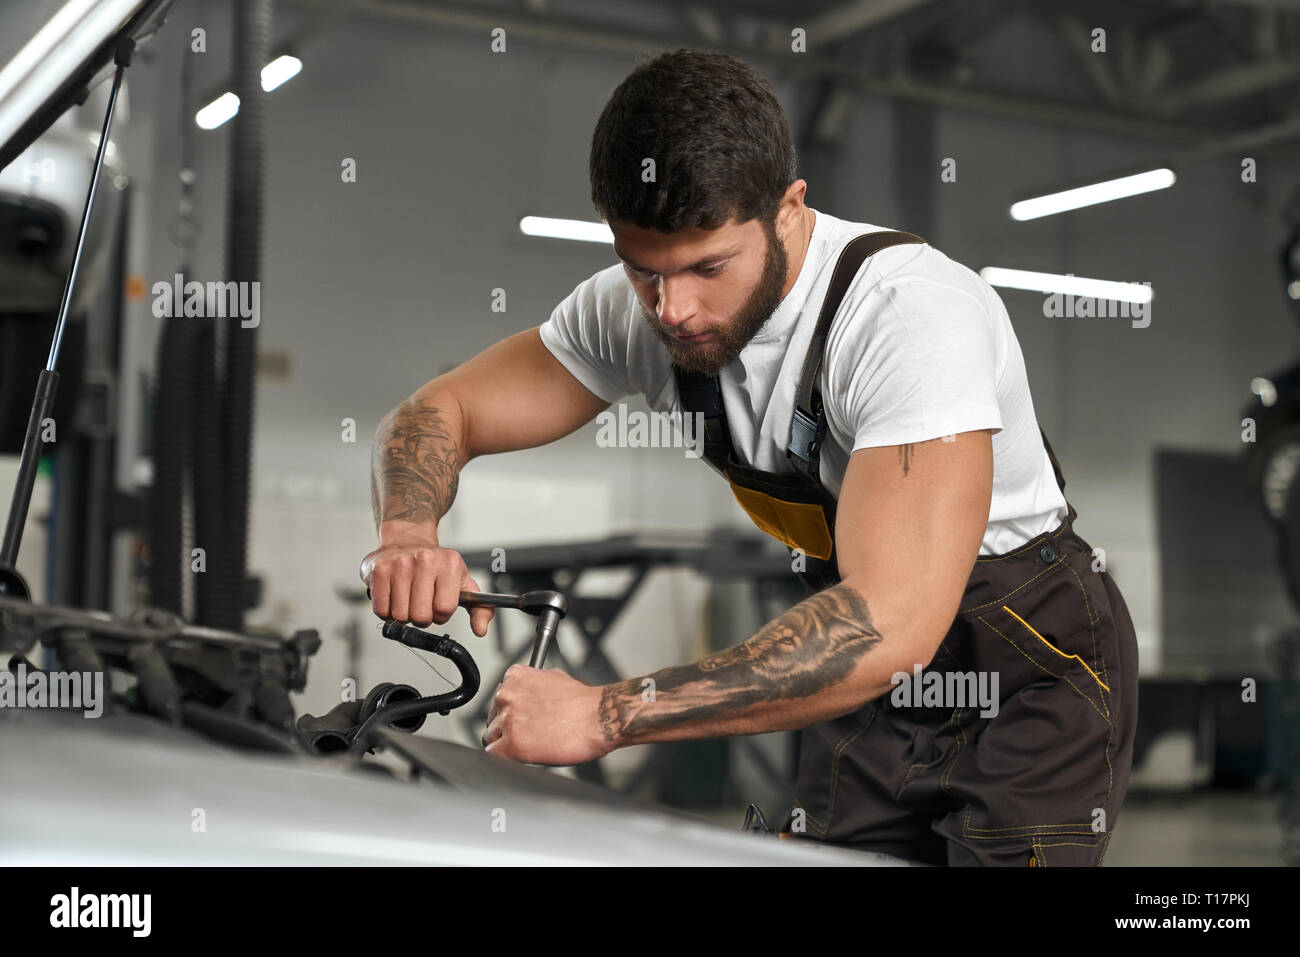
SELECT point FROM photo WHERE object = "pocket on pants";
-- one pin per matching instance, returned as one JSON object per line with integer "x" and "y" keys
{"x": 1070, "y": 666}
{"x": 1058, "y": 628}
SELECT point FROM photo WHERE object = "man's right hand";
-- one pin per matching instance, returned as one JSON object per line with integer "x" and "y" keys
{"x": 420, "y": 448}
{"x": 420, "y": 582}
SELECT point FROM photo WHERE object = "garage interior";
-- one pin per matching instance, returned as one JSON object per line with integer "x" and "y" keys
{"x": 393, "y": 169}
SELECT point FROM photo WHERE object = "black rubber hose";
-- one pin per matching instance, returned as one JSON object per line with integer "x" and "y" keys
{"x": 251, "y": 48}
{"x": 443, "y": 703}
{"x": 387, "y": 693}
{"x": 398, "y": 693}
{"x": 372, "y": 701}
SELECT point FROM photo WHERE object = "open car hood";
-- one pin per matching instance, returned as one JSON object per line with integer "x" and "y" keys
{"x": 53, "y": 52}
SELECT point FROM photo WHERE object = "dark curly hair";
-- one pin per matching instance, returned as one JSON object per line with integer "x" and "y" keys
{"x": 718, "y": 137}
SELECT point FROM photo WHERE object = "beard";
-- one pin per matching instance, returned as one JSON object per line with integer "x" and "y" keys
{"x": 743, "y": 326}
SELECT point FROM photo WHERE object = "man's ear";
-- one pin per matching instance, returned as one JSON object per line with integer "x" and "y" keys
{"x": 791, "y": 208}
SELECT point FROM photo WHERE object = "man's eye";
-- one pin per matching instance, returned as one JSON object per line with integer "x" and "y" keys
{"x": 709, "y": 270}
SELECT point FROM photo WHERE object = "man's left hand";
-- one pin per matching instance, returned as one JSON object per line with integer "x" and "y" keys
{"x": 545, "y": 717}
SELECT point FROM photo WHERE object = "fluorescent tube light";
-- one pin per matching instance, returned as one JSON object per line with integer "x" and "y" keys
{"x": 577, "y": 229}
{"x": 1070, "y": 285}
{"x": 275, "y": 73}
{"x": 1090, "y": 195}
{"x": 217, "y": 112}
{"x": 279, "y": 70}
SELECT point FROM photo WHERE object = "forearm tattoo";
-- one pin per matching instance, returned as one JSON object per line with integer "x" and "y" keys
{"x": 415, "y": 467}
{"x": 811, "y": 647}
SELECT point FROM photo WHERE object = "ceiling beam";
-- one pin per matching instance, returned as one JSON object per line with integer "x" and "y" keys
{"x": 1232, "y": 83}
{"x": 581, "y": 35}
{"x": 855, "y": 16}
{"x": 1077, "y": 38}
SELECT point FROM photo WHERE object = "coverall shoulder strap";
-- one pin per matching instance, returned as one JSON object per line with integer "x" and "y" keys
{"x": 702, "y": 394}
{"x": 808, "y": 426}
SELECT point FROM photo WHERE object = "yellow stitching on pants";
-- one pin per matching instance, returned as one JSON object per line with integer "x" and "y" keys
{"x": 1070, "y": 844}
{"x": 1041, "y": 667}
{"x": 946, "y": 777}
{"x": 961, "y": 737}
{"x": 943, "y": 646}
{"x": 908, "y": 776}
{"x": 844, "y": 742}
{"x": 1021, "y": 587}
{"x": 835, "y": 770}
{"x": 999, "y": 833}
{"x": 1086, "y": 603}
{"x": 1114, "y": 626}
{"x": 926, "y": 764}
{"x": 1105, "y": 846}
{"x": 1110, "y": 770}
{"x": 1092, "y": 624}
{"x": 1059, "y": 651}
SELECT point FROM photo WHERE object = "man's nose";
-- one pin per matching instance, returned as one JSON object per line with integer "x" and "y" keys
{"x": 676, "y": 305}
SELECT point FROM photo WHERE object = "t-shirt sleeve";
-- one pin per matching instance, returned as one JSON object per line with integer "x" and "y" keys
{"x": 912, "y": 361}
{"x": 588, "y": 333}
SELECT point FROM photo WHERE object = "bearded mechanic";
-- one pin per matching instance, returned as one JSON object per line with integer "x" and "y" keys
{"x": 866, "y": 399}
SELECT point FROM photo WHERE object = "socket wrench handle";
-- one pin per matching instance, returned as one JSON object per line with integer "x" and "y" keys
{"x": 549, "y": 607}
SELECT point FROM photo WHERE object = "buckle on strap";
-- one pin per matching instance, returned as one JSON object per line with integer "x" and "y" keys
{"x": 806, "y": 435}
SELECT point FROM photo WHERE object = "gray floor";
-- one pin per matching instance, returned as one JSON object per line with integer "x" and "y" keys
{"x": 1193, "y": 829}
{"x": 1200, "y": 829}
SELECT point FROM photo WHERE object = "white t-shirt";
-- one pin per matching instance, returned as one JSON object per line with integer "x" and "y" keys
{"x": 921, "y": 347}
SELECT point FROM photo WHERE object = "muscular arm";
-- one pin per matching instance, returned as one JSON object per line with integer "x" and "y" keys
{"x": 910, "y": 521}
{"x": 782, "y": 678}
{"x": 416, "y": 460}
{"x": 514, "y": 395}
